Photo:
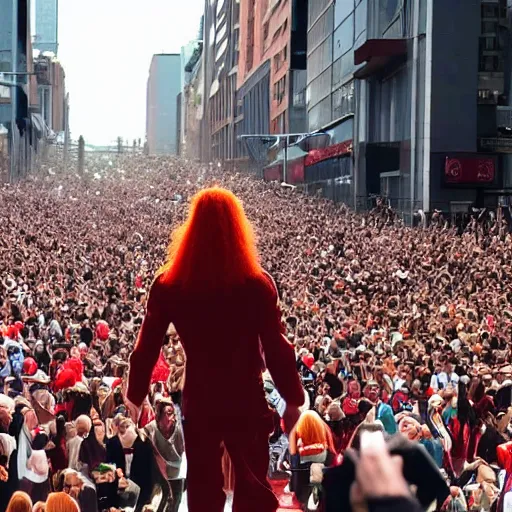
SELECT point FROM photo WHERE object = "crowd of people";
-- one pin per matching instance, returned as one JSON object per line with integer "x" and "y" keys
{"x": 398, "y": 329}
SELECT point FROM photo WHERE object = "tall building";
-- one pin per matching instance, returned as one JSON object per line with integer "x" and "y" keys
{"x": 46, "y": 37}
{"x": 26, "y": 130}
{"x": 272, "y": 67}
{"x": 415, "y": 99}
{"x": 424, "y": 74}
{"x": 220, "y": 59}
{"x": 163, "y": 88}
{"x": 187, "y": 52}
{"x": 335, "y": 30}
{"x": 51, "y": 91}
{"x": 193, "y": 101}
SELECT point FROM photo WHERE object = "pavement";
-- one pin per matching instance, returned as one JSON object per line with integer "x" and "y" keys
{"x": 287, "y": 502}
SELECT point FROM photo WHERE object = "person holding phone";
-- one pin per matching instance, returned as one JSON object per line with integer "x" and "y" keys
{"x": 380, "y": 485}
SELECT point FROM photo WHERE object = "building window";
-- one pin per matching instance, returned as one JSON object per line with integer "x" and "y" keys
{"x": 265, "y": 31}
{"x": 280, "y": 90}
{"x": 490, "y": 43}
{"x": 490, "y": 11}
{"x": 280, "y": 58}
{"x": 277, "y": 62}
{"x": 489, "y": 27}
{"x": 276, "y": 34}
{"x": 491, "y": 63}
{"x": 250, "y": 37}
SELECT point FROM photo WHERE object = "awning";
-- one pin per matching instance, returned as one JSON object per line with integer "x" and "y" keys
{"x": 294, "y": 152}
{"x": 39, "y": 125}
{"x": 378, "y": 54}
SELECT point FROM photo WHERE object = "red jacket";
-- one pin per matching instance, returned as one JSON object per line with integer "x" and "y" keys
{"x": 221, "y": 335}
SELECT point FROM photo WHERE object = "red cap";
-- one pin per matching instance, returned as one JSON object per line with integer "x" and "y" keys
{"x": 117, "y": 382}
{"x": 65, "y": 379}
{"x": 308, "y": 360}
{"x": 29, "y": 366}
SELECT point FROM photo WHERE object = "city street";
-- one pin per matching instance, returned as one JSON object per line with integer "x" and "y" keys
{"x": 227, "y": 508}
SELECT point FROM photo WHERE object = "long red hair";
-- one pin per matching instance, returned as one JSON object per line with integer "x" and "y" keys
{"x": 312, "y": 431}
{"x": 215, "y": 247}
{"x": 19, "y": 502}
{"x": 61, "y": 502}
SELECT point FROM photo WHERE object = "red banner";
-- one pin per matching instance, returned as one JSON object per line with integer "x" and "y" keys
{"x": 469, "y": 170}
{"x": 296, "y": 171}
{"x": 317, "y": 155}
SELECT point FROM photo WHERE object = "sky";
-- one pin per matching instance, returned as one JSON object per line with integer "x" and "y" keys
{"x": 106, "y": 47}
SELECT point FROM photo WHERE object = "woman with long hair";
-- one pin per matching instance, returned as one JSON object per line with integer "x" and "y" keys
{"x": 61, "y": 502}
{"x": 310, "y": 442}
{"x": 225, "y": 310}
{"x": 20, "y": 502}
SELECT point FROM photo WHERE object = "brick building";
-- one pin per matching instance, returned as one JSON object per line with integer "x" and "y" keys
{"x": 272, "y": 66}
{"x": 220, "y": 59}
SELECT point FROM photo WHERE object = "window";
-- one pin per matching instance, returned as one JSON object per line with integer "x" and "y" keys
{"x": 319, "y": 88}
{"x": 489, "y": 27}
{"x": 319, "y": 31}
{"x": 285, "y": 53}
{"x": 320, "y": 59}
{"x": 265, "y": 31}
{"x": 344, "y": 37}
{"x": 280, "y": 90}
{"x": 320, "y": 114}
{"x": 285, "y": 25}
{"x": 389, "y": 10}
{"x": 341, "y": 68}
{"x": 343, "y": 100}
{"x": 361, "y": 18}
{"x": 316, "y": 8}
{"x": 342, "y": 9}
{"x": 490, "y": 11}
{"x": 491, "y": 63}
{"x": 276, "y": 34}
{"x": 277, "y": 62}
{"x": 490, "y": 43}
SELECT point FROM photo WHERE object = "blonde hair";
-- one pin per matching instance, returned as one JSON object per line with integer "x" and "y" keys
{"x": 19, "y": 502}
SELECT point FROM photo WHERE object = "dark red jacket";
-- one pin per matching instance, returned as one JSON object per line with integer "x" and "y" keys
{"x": 220, "y": 332}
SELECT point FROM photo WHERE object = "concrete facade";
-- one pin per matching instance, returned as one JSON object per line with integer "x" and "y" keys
{"x": 163, "y": 88}
{"x": 51, "y": 90}
{"x": 220, "y": 59}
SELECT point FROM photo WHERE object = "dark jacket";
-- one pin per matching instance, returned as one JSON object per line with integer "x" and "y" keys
{"x": 142, "y": 463}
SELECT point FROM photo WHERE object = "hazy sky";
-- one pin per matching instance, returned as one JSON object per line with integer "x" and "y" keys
{"x": 106, "y": 47}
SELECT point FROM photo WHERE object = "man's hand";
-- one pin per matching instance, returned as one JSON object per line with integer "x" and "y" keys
{"x": 290, "y": 417}
{"x": 378, "y": 474}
